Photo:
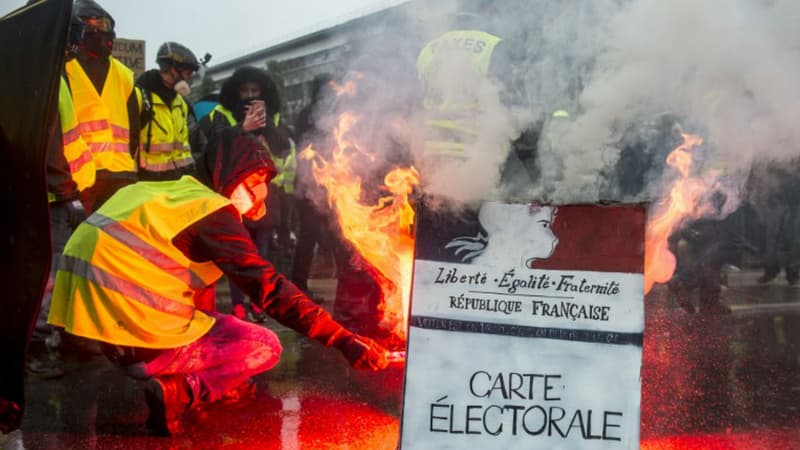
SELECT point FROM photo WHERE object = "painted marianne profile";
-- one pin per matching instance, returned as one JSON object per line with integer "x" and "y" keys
{"x": 516, "y": 234}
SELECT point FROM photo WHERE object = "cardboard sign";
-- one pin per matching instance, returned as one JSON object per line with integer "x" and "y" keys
{"x": 131, "y": 53}
{"x": 526, "y": 329}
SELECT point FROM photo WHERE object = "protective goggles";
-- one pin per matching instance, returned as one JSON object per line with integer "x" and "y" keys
{"x": 98, "y": 24}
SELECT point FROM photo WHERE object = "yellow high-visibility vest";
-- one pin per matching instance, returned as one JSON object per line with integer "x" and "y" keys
{"x": 287, "y": 166}
{"x": 103, "y": 117}
{"x": 167, "y": 133}
{"x": 450, "y": 106}
{"x": 122, "y": 281}
{"x": 76, "y": 152}
{"x": 225, "y": 113}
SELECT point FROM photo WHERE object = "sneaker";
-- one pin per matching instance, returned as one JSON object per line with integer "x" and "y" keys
{"x": 44, "y": 367}
{"x": 167, "y": 398}
{"x": 239, "y": 311}
{"x": 245, "y": 390}
{"x": 258, "y": 315}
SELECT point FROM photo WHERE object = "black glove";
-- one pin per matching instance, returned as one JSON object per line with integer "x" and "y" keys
{"x": 362, "y": 352}
{"x": 291, "y": 307}
{"x": 75, "y": 213}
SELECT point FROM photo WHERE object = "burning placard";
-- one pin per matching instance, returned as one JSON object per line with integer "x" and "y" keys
{"x": 526, "y": 328}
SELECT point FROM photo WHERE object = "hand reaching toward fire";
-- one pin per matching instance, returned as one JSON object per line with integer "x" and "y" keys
{"x": 362, "y": 352}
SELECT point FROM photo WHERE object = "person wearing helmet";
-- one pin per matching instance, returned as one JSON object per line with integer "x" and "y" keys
{"x": 134, "y": 272}
{"x": 164, "y": 152}
{"x": 106, "y": 105}
{"x": 69, "y": 170}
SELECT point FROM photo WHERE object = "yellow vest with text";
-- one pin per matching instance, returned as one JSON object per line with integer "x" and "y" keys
{"x": 451, "y": 105}
{"x": 76, "y": 152}
{"x": 287, "y": 166}
{"x": 168, "y": 135}
{"x": 103, "y": 118}
{"x": 122, "y": 281}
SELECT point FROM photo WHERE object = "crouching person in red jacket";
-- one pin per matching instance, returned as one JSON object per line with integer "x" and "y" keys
{"x": 136, "y": 274}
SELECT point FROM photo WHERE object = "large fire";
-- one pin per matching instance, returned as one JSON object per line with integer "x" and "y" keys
{"x": 381, "y": 232}
{"x": 682, "y": 202}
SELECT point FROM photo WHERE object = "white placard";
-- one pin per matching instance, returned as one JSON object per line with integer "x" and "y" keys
{"x": 505, "y": 355}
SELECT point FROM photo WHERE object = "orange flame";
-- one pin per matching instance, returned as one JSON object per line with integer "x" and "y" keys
{"x": 381, "y": 233}
{"x": 682, "y": 202}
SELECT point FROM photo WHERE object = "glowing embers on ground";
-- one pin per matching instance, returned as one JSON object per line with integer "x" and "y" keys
{"x": 759, "y": 439}
{"x": 381, "y": 232}
{"x": 682, "y": 202}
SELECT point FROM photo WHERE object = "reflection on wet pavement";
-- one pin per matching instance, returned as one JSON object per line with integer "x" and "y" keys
{"x": 722, "y": 381}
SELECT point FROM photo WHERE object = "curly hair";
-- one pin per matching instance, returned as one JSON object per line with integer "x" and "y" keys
{"x": 229, "y": 92}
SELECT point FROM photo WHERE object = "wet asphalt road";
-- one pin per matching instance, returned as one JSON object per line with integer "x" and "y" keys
{"x": 724, "y": 381}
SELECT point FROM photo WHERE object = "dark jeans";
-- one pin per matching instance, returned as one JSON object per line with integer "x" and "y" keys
{"x": 60, "y": 231}
{"x": 104, "y": 187}
{"x": 314, "y": 231}
{"x": 262, "y": 236}
{"x": 781, "y": 247}
{"x": 711, "y": 244}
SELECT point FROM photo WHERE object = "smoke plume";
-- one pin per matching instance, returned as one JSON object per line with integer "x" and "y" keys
{"x": 728, "y": 70}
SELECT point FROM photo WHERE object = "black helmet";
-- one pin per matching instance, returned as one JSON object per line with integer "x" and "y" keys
{"x": 177, "y": 55}
{"x": 93, "y": 15}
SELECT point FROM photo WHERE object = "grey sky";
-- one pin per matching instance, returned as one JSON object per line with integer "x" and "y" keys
{"x": 224, "y": 29}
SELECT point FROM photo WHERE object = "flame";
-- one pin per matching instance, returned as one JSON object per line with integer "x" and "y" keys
{"x": 380, "y": 233}
{"x": 681, "y": 203}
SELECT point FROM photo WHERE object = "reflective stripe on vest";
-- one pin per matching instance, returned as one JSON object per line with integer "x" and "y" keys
{"x": 103, "y": 118}
{"x": 225, "y": 112}
{"x": 107, "y": 280}
{"x": 451, "y": 107}
{"x": 76, "y": 152}
{"x": 287, "y": 166}
{"x": 122, "y": 281}
{"x": 168, "y": 136}
{"x": 164, "y": 262}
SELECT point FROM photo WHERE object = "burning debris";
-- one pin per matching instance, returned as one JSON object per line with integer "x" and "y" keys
{"x": 379, "y": 231}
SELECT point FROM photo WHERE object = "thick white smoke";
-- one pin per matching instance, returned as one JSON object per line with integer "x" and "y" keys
{"x": 726, "y": 69}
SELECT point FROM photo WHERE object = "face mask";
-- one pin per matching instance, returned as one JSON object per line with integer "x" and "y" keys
{"x": 258, "y": 212}
{"x": 98, "y": 45}
{"x": 182, "y": 87}
{"x": 242, "y": 200}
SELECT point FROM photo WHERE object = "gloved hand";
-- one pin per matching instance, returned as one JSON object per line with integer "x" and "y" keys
{"x": 292, "y": 308}
{"x": 75, "y": 213}
{"x": 362, "y": 352}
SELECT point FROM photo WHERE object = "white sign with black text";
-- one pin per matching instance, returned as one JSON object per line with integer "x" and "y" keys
{"x": 526, "y": 329}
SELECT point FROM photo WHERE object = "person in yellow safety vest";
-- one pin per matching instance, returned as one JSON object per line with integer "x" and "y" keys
{"x": 472, "y": 55}
{"x": 164, "y": 152}
{"x": 132, "y": 274}
{"x": 106, "y": 105}
{"x": 69, "y": 170}
{"x": 249, "y": 99}
{"x": 454, "y": 71}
